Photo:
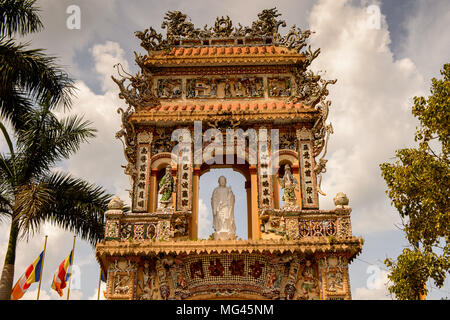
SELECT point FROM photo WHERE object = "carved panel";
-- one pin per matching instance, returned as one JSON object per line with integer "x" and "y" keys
{"x": 316, "y": 228}
{"x": 308, "y": 282}
{"x": 307, "y": 176}
{"x": 160, "y": 229}
{"x": 334, "y": 273}
{"x": 344, "y": 227}
{"x": 226, "y": 272}
{"x": 143, "y": 166}
{"x": 184, "y": 181}
{"x": 265, "y": 188}
{"x": 243, "y": 87}
{"x": 112, "y": 229}
{"x": 121, "y": 279}
{"x": 169, "y": 88}
{"x": 279, "y": 86}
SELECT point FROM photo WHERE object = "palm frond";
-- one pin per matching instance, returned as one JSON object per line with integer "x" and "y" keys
{"x": 78, "y": 207}
{"x": 7, "y": 171}
{"x": 33, "y": 73}
{"x": 5, "y": 206}
{"x": 14, "y": 105}
{"x": 31, "y": 201}
{"x": 18, "y": 16}
{"x": 7, "y": 138}
{"x": 45, "y": 140}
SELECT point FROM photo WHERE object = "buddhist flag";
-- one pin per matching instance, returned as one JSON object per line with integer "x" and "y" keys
{"x": 62, "y": 275}
{"x": 32, "y": 274}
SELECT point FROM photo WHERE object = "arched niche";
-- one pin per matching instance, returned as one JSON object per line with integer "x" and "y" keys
{"x": 241, "y": 166}
{"x": 208, "y": 182}
{"x": 290, "y": 157}
{"x": 159, "y": 162}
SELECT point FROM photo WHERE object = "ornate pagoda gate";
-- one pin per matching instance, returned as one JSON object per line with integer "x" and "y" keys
{"x": 225, "y": 77}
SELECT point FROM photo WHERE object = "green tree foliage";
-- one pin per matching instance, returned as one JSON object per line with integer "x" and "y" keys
{"x": 419, "y": 187}
{"x": 27, "y": 76}
{"x": 31, "y": 193}
{"x": 31, "y": 86}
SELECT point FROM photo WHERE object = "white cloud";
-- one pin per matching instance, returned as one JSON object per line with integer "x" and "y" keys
{"x": 94, "y": 296}
{"x": 375, "y": 290}
{"x": 106, "y": 56}
{"x": 205, "y": 228}
{"x": 101, "y": 159}
{"x": 426, "y": 43}
{"x": 370, "y": 109}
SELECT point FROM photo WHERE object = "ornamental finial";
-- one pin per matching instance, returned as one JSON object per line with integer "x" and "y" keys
{"x": 115, "y": 204}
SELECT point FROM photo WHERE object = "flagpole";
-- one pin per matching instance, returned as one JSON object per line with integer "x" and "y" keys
{"x": 99, "y": 283}
{"x": 42, "y": 268}
{"x": 70, "y": 274}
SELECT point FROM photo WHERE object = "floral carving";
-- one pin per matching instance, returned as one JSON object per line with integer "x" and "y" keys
{"x": 256, "y": 269}
{"x": 196, "y": 269}
{"x": 216, "y": 268}
{"x": 237, "y": 267}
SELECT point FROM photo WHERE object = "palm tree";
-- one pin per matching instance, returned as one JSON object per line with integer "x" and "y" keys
{"x": 27, "y": 76}
{"x": 31, "y": 193}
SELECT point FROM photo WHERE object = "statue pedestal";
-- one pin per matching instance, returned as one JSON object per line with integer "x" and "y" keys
{"x": 223, "y": 235}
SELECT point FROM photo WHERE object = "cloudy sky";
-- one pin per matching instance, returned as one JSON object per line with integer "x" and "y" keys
{"x": 380, "y": 64}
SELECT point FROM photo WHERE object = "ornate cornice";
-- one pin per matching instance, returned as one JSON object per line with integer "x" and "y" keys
{"x": 309, "y": 245}
{"x": 189, "y": 114}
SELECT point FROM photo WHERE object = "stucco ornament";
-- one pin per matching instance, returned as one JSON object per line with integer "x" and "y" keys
{"x": 222, "y": 204}
{"x": 341, "y": 200}
{"x": 115, "y": 204}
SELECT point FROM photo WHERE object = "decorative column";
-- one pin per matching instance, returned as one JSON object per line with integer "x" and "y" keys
{"x": 144, "y": 140}
{"x": 276, "y": 191}
{"x": 248, "y": 190}
{"x": 254, "y": 221}
{"x": 153, "y": 197}
{"x": 193, "y": 226}
{"x": 307, "y": 176}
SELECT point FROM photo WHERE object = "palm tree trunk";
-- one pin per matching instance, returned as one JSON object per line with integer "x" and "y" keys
{"x": 7, "y": 279}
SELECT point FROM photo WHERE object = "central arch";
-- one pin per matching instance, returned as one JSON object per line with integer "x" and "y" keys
{"x": 208, "y": 182}
{"x": 247, "y": 200}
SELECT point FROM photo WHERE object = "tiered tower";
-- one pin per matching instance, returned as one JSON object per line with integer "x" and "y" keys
{"x": 251, "y": 80}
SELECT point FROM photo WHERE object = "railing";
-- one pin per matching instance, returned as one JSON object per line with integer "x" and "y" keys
{"x": 275, "y": 223}
{"x": 298, "y": 224}
{"x": 146, "y": 226}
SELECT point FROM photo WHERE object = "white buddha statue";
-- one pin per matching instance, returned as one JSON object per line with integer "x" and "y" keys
{"x": 222, "y": 204}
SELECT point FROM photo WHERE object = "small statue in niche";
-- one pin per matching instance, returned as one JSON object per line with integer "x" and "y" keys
{"x": 290, "y": 185}
{"x": 166, "y": 188}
